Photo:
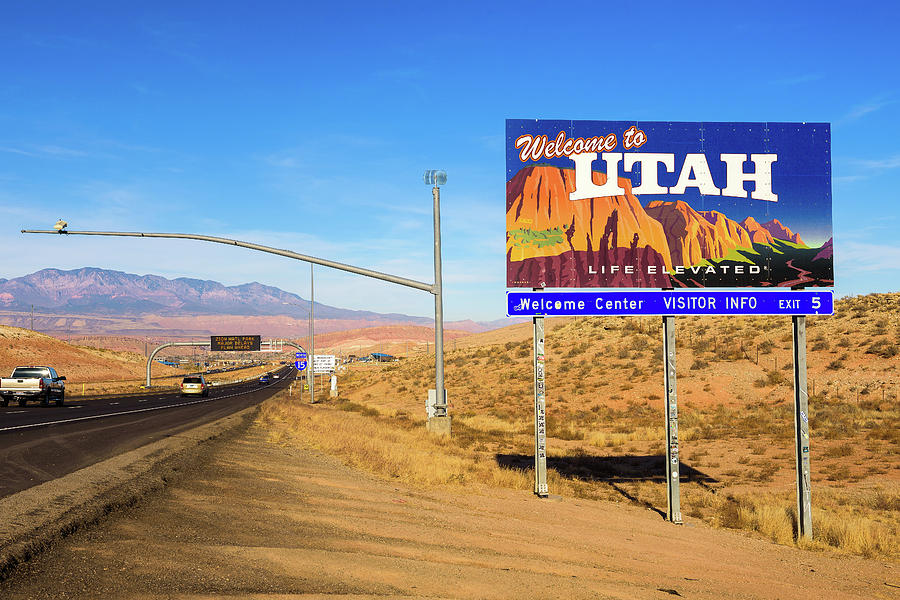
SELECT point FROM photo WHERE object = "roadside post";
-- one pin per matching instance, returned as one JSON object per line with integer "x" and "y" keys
{"x": 439, "y": 423}
{"x": 301, "y": 362}
{"x": 801, "y": 428}
{"x": 540, "y": 412}
{"x": 312, "y": 338}
{"x": 673, "y": 479}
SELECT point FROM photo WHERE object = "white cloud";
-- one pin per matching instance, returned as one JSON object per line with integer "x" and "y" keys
{"x": 10, "y": 150}
{"x": 861, "y": 256}
{"x": 881, "y": 164}
{"x": 868, "y": 107}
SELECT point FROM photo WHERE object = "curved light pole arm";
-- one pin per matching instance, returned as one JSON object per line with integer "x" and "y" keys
{"x": 152, "y": 354}
{"x": 427, "y": 287}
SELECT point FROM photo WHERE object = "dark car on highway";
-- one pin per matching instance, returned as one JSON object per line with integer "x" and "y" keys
{"x": 265, "y": 378}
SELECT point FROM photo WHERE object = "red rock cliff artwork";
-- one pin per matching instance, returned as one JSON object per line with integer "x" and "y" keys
{"x": 597, "y": 242}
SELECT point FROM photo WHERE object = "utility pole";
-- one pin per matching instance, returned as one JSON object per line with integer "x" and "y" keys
{"x": 312, "y": 340}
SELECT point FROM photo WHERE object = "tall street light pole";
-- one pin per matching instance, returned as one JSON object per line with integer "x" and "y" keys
{"x": 438, "y": 423}
{"x": 311, "y": 374}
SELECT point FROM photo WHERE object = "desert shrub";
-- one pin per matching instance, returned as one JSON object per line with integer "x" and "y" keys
{"x": 838, "y": 451}
{"x": 771, "y": 378}
{"x": 883, "y": 348}
{"x": 820, "y": 345}
{"x": 766, "y": 346}
{"x": 562, "y": 430}
{"x": 837, "y": 473}
{"x": 699, "y": 363}
{"x": 639, "y": 343}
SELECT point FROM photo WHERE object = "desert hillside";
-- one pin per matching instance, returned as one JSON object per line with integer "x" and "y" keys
{"x": 605, "y": 418}
{"x": 92, "y": 369}
{"x": 80, "y": 364}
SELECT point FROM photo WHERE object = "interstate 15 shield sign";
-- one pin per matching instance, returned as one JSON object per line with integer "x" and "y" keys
{"x": 660, "y": 205}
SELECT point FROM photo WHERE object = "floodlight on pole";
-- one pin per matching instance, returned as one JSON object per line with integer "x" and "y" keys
{"x": 435, "y": 177}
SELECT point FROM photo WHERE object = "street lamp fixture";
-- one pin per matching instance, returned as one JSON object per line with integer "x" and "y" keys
{"x": 435, "y": 177}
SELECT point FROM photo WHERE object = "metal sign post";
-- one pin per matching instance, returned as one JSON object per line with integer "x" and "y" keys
{"x": 673, "y": 483}
{"x": 801, "y": 429}
{"x": 312, "y": 336}
{"x": 540, "y": 417}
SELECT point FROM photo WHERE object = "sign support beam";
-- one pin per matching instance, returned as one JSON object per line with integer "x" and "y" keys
{"x": 311, "y": 376}
{"x": 801, "y": 430}
{"x": 673, "y": 480}
{"x": 540, "y": 416}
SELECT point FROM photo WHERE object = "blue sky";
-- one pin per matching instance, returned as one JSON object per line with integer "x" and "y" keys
{"x": 307, "y": 126}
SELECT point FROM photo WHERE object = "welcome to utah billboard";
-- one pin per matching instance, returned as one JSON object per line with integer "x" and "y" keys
{"x": 656, "y": 204}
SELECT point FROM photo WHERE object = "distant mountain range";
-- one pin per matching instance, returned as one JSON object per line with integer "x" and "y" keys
{"x": 101, "y": 295}
{"x": 555, "y": 242}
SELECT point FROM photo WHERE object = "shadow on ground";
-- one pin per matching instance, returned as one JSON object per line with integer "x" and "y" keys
{"x": 614, "y": 470}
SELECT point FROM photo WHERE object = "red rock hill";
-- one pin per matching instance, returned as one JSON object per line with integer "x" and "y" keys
{"x": 781, "y": 232}
{"x": 693, "y": 236}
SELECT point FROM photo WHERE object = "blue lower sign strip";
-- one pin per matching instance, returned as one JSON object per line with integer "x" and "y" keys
{"x": 674, "y": 302}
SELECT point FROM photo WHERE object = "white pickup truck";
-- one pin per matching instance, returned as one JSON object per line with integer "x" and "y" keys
{"x": 39, "y": 383}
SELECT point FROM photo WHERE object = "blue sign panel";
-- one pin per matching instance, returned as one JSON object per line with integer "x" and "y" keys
{"x": 300, "y": 356}
{"x": 301, "y": 364}
{"x": 675, "y": 302}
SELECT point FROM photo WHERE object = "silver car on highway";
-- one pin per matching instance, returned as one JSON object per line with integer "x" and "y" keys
{"x": 194, "y": 385}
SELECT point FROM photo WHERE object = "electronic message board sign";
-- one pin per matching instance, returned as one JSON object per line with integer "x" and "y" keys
{"x": 607, "y": 204}
{"x": 234, "y": 343}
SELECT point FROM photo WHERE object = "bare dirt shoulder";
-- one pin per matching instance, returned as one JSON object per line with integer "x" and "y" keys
{"x": 265, "y": 519}
{"x": 34, "y": 520}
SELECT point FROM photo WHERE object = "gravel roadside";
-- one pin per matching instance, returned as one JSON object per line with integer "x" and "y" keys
{"x": 257, "y": 519}
{"x": 35, "y": 519}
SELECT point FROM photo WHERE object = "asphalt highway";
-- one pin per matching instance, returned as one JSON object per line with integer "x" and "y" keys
{"x": 41, "y": 443}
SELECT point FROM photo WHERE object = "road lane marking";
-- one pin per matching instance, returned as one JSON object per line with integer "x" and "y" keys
{"x": 124, "y": 412}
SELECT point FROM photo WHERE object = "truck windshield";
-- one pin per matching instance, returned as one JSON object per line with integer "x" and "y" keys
{"x": 30, "y": 372}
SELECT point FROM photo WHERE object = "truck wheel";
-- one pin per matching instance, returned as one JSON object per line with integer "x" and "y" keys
{"x": 45, "y": 399}
{"x": 60, "y": 400}
{"x": 4, "y": 401}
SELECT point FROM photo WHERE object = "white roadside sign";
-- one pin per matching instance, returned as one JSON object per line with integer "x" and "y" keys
{"x": 323, "y": 363}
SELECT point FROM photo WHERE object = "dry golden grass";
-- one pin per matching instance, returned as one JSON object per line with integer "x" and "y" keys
{"x": 386, "y": 446}
{"x": 605, "y": 407}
